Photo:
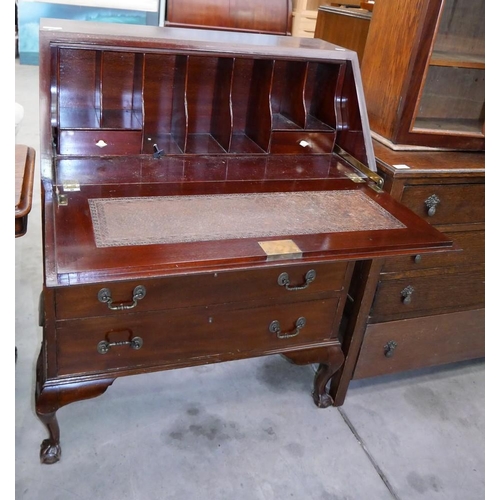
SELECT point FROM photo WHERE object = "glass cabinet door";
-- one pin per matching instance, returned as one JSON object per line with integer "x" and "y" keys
{"x": 452, "y": 95}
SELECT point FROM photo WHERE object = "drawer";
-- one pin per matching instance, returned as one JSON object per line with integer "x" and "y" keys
{"x": 84, "y": 142}
{"x": 446, "y": 204}
{"x": 190, "y": 334}
{"x": 472, "y": 252}
{"x": 415, "y": 343}
{"x": 289, "y": 142}
{"x": 421, "y": 295}
{"x": 172, "y": 292}
{"x": 304, "y": 23}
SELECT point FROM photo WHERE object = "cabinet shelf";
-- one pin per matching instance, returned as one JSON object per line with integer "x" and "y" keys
{"x": 457, "y": 60}
{"x": 449, "y": 126}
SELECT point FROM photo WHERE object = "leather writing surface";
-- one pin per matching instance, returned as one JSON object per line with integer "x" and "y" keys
{"x": 180, "y": 219}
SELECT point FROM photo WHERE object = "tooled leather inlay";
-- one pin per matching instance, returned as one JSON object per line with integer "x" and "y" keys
{"x": 181, "y": 219}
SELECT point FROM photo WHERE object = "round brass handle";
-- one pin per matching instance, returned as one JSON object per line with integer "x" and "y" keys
{"x": 104, "y": 346}
{"x": 275, "y": 327}
{"x": 284, "y": 280}
{"x": 104, "y": 296}
{"x": 389, "y": 348}
{"x": 406, "y": 294}
{"x": 431, "y": 203}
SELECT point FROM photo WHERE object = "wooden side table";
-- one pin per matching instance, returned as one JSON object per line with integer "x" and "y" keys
{"x": 25, "y": 170}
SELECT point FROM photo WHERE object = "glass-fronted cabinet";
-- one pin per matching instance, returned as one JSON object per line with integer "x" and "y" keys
{"x": 424, "y": 73}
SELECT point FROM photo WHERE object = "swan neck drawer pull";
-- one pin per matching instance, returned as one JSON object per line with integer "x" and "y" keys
{"x": 104, "y": 296}
{"x": 389, "y": 348}
{"x": 406, "y": 294}
{"x": 431, "y": 203}
{"x": 284, "y": 280}
{"x": 104, "y": 346}
{"x": 275, "y": 327}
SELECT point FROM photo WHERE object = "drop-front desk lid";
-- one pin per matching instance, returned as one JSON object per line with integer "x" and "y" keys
{"x": 165, "y": 220}
{"x": 175, "y": 150}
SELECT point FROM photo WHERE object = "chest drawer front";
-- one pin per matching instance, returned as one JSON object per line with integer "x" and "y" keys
{"x": 99, "y": 142}
{"x": 136, "y": 340}
{"x": 446, "y": 204}
{"x": 427, "y": 341}
{"x": 416, "y": 296}
{"x": 202, "y": 289}
{"x": 471, "y": 245}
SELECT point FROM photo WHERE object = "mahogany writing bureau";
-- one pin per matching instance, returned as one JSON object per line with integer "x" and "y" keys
{"x": 206, "y": 195}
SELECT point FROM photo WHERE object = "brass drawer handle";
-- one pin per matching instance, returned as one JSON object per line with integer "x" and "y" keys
{"x": 389, "y": 348}
{"x": 274, "y": 327}
{"x": 406, "y": 293}
{"x": 104, "y": 296}
{"x": 284, "y": 280}
{"x": 104, "y": 346}
{"x": 431, "y": 203}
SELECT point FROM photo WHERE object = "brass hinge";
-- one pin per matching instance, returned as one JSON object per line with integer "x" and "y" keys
{"x": 68, "y": 186}
{"x": 71, "y": 186}
{"x": 355, "y": 177}
{"x": 62, "y": 199}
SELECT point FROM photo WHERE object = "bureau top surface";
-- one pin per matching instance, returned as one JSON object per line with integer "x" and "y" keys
{"x": 59, "y": 30}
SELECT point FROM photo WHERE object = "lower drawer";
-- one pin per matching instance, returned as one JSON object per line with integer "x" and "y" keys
{"x": 427, "y": 294}
{"x": 81, "y": 301}
{"x": 106, "y": 343}
{"x": 471, "y": 250}
{"x": 415, "y": 343}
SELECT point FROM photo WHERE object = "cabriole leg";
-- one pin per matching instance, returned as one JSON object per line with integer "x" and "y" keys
{"x": 49, "y": 397}
{"x": 330, "y": 359}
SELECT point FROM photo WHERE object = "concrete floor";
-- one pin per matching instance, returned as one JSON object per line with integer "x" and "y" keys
{"x": 245, "y": 430}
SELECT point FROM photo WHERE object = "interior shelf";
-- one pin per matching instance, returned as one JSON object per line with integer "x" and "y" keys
{"x": 197, "y": 104}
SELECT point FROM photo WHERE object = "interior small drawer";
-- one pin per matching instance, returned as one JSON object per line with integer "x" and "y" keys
{"x": 99, "y": 142}
{"x": 419, "y": 295}
{"x": 135, "y": 340}
{"x": 426, "y": 341}
{"x": 301, "y": 142}
{"x": 469, "y": 251}
{"x": 278, "y": 283}
{"x": 446, "y": 204}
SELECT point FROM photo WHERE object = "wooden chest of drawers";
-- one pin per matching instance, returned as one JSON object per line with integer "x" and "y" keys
{"x": 424, "y": 310}
{"x": 200, "y": 204}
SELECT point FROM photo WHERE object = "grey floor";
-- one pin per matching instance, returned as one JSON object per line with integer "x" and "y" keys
{"x": 245, "y": 430}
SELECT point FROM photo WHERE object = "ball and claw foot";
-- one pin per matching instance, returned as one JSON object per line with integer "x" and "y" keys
{"x": 50, "y": 452}
{"x": 322, "y": 400}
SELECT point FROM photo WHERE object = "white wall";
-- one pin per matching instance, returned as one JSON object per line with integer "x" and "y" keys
{"x": 140, "y": 5}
